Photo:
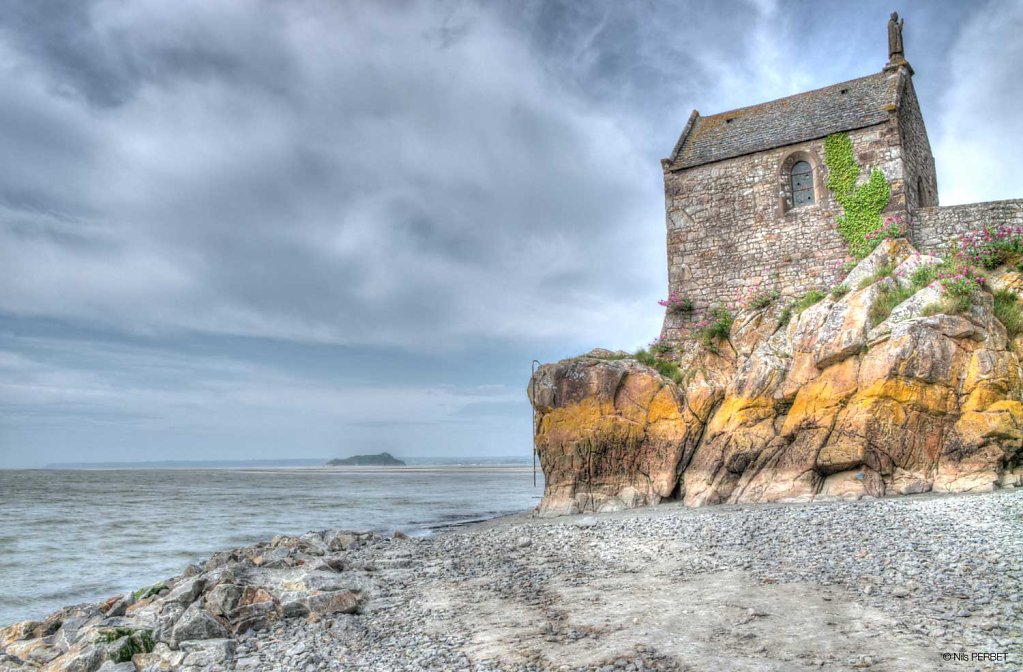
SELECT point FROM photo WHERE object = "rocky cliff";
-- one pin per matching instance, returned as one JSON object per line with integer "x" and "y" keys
{"x": 823, "y": 403}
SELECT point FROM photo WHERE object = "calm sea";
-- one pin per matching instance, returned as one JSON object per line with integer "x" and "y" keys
{"x": 79, "y": 536}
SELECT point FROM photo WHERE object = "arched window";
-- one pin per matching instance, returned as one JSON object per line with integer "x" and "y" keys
{"x": 802, "y": 184}
{"x": 796, "y": 184}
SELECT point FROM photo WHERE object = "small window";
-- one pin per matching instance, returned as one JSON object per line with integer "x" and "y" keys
{"x": 802, "y": 184}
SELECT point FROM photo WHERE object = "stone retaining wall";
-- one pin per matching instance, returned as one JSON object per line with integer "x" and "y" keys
{"x": 931, "y": 229}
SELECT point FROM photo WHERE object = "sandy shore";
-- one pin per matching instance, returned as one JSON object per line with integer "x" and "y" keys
{"x": 893, "y": 584}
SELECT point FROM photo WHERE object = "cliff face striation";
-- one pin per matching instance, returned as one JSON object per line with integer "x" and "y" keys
{"x": 823, "y": 403}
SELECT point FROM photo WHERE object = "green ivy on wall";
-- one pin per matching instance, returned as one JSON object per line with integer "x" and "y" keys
{"x": 863, "y": 204}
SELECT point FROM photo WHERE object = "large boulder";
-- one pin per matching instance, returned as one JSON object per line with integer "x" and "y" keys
{"x": 196, "y": 623}
{"x": 888, "y": 255}
{"x": 828, "y": 405}
{"x": 611, "y": 434}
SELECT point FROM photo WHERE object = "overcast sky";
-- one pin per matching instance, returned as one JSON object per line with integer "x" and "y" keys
{"x": 309, "y": 228}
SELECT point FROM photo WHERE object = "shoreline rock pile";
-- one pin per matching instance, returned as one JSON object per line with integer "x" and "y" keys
{"x": 823, "y": 404}
{"x": 193, "y": 621}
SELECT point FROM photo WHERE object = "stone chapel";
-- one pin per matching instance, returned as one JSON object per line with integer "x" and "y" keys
{"x": 746, "y": 198}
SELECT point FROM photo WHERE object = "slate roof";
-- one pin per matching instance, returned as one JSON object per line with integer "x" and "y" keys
{"x": 806, "y": 116}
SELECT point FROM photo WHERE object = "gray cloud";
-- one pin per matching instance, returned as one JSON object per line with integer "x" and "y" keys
{"x": 979, "y": 135}
{"x": 418, "y": 184}
{"x": 257, "y": 228}
{"x": 91, "y": 398}
{"x": 403, "y": 173}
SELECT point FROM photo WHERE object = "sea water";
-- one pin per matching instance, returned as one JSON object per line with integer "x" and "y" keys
{"x": 68, "y": 537}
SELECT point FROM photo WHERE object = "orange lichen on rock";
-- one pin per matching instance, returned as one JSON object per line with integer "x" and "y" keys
{"x": 821, "y": 407}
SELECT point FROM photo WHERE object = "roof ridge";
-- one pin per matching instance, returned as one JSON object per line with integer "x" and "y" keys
{"x": 685, "y": 133}
{"x": 878, "y": 75}
{"x": 854, "y": 103}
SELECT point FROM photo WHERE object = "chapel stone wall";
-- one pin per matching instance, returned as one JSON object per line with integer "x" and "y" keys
{"x": 921, "y": 182}
{"x": 729, "y": 227}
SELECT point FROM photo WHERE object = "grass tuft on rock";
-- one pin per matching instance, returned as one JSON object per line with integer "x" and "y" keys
{"x": 924, "y": 275}
{"x": 645, "y": 357}
{"x": 878, "y": 275}
{"x": 813, "y": 297}
{"x": 1009, "y": 311}
{"x": 948, "y": 305}
{"x": 667, "y": 369}
{"x": 891, "y": 295}
{"x": 661, "y": 348}
{"x": 785, "y": 316}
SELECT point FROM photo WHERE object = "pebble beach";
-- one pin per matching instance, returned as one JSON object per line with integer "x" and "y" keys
{"x": 910, "y": 583}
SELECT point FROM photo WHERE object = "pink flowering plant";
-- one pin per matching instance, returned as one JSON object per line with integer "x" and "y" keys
{"x": 754, "y": 297}
{"x": 923, "y": 274}
{"x": 845, "y": 265}
{"x": 961, "y": 282}
{"x": 676, "y": 303}
{"x": 715, "y": 325}
{"x": 892, "y": 228}
{"x": 991, "y": 246}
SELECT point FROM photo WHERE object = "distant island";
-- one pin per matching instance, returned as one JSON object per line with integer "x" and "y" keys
{"x": 189, "y": 464}
{"x": 292, "y": 463}
{"x": 378, "y": 460}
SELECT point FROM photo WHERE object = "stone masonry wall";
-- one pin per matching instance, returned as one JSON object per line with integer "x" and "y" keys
{"x": 931, "y": 229}
{"x": 728, "y": 227}
{"x": 921, "y": 180}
